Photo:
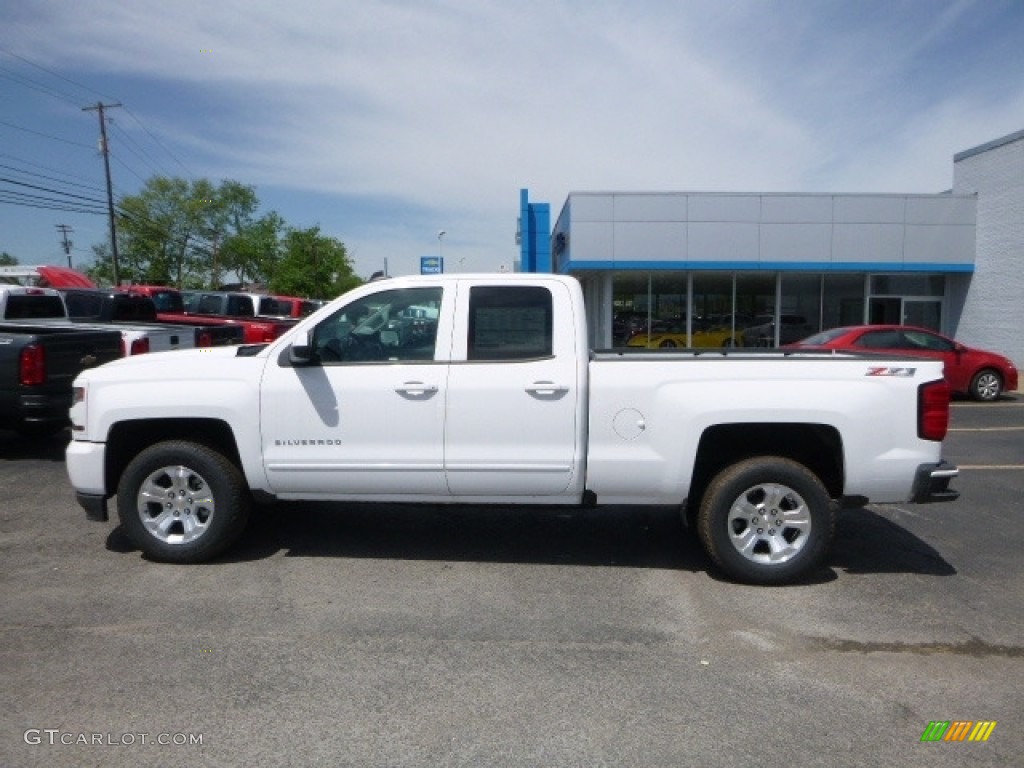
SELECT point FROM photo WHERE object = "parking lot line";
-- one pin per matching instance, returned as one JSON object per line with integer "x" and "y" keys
{"x": 990, "y": 466}
{"x": 1007, "y": 404}
{"x": 985, "y": 429}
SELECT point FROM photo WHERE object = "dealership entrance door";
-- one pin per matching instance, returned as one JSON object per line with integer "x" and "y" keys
{"x": 893, "y": 310}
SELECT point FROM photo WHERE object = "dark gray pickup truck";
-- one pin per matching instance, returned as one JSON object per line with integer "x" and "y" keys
{"x": 37, "y": 366}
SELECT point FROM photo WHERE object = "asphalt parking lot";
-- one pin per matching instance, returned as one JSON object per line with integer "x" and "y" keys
{"x": 402, "y": 636}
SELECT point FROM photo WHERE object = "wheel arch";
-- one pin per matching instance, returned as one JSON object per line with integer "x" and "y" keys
{"x": 128, "y": 438}
{"x": 819, "y": 447}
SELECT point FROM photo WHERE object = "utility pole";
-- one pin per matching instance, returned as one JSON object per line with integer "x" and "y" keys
{"x": 64, "y": 229}
{"x": 100, "y": 106}
{"x": 215, "y": 274}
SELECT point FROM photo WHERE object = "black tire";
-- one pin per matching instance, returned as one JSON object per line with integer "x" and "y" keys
{"x": 793, "y": 537}
{"x": 986, "y": 386}
{"x": 667, "y": 343}
{"x": 182, "y": 502}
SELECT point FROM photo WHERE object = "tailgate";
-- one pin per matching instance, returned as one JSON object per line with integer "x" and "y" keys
{"x": 70, "y": 353}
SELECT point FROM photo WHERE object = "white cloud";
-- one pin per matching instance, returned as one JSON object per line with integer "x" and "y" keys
{"x": 442, "y": 110}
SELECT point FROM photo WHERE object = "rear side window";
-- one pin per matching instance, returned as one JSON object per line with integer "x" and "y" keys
{"x": 28, "y": 307}
{"x": 207, "y": 305}
{"x": 83, "y": 304}
{"x": 509, "y": 323}
{"x": 240, "y": 306}
{"x": 166, "y": 301}
{"x": 134, "y": 308}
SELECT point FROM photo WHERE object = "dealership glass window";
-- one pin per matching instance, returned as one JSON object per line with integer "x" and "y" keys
{"x": 668, "y": 299}
{"x": 712, "y": 300}
{"x": 842, "y": 301}
{"x": 755, "y": 300}
{"x": 801, "y": 306}
{"x": 908, "y": 285}
{"x": 631, "y": 305}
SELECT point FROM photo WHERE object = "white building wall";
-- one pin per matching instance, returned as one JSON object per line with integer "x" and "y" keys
{"x": 992, "y": 313}
{"x": 695, "y": 230}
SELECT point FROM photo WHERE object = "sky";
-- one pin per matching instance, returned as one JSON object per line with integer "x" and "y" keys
{"x": 385, "y": 122}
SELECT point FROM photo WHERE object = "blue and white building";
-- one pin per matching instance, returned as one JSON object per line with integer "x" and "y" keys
{"x": 952, "y": 261}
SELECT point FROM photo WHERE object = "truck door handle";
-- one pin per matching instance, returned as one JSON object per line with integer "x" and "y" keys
{"x": 546, "y": 388}
{"x": 416, "y": 389}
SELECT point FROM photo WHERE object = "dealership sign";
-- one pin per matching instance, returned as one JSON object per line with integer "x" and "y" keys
{"x": 431, "y": 265}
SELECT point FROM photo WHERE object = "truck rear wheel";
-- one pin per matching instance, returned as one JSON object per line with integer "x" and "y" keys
{"x": 182, "y": 502}
{"x": 766, "y": 520}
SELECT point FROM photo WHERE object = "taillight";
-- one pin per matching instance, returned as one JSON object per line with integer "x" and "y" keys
{"x": 32, "y": 365}
{"x": 140, "y": 346}
{"x": 204, "y": 339}
{"x": 933, "y": 410}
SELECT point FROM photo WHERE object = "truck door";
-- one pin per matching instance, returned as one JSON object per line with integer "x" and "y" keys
{"x": 366, "y": 415}
{"x": 513, "y": 425}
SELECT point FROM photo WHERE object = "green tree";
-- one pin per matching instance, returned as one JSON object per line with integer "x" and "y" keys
{"x": 173, "y": 230}
{"x": 254, "y": 250}
{"x": 6, "y": 260}
{"x": 312, "y": 265}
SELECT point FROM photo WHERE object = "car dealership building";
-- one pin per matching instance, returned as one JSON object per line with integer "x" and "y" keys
{"x": 952, "y": 261}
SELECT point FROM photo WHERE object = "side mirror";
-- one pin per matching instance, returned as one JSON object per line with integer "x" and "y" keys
{"x": 300, "y": 352}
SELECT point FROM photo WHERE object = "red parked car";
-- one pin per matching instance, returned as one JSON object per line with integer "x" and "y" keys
{"x": 975, "y": 372}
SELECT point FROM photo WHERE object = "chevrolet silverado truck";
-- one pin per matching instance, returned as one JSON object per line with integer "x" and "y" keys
{"x": 482, "y": 389}
{"x": 97, "y": 310}
{"x": 37, "y": 366}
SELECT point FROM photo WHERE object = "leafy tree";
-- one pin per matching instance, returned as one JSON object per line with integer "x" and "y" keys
{"x": 189, "y": 234}
{"x": 254, "y": 250}
{"x": 6, "y": 260}
{"x": 172, "y": 231}
{"x": 312, "y": 265}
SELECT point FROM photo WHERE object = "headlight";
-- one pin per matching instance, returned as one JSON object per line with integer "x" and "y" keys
{"x": 77, "y": 414}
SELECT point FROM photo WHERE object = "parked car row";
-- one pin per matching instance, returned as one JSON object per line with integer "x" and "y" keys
{"x": 715, "y": 331}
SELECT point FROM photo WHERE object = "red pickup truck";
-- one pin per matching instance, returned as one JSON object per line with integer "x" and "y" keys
{"x": 212, "y": 308}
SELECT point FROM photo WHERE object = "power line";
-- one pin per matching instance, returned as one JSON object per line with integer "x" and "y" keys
{"x": 159, "y": 143}
{"x": 47, "y": 189}
{"x": 45, "y": 167}
{"x": 138, "y": 150}
{"x": 55, "y": 74}
{"x": 128, "y": 168}
{"x": 29, "y": 83}
{"x": 45, "y": 135}
{"x": 49, "y": 178}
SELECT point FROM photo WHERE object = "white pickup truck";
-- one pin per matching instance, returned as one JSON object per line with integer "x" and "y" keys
{"x": 477, "y": 389}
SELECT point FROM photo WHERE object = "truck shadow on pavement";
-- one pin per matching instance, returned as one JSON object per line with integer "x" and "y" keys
{"x": 620, "y": 536}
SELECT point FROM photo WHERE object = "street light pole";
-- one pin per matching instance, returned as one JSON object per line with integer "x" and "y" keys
{"x": 440, "y": 248}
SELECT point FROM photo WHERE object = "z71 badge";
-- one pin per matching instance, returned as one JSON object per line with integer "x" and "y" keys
{"x": 887, "y": 371}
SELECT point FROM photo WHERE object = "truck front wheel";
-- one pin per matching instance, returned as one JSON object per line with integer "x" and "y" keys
{"x": 766, "y": 520}
{"x": 182, "y": 502}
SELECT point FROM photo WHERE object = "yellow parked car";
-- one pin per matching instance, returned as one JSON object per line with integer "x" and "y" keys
{"x": 712, "y": 337}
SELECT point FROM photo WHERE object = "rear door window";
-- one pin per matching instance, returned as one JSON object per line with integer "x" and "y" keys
{"x": 509, "y": 323}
